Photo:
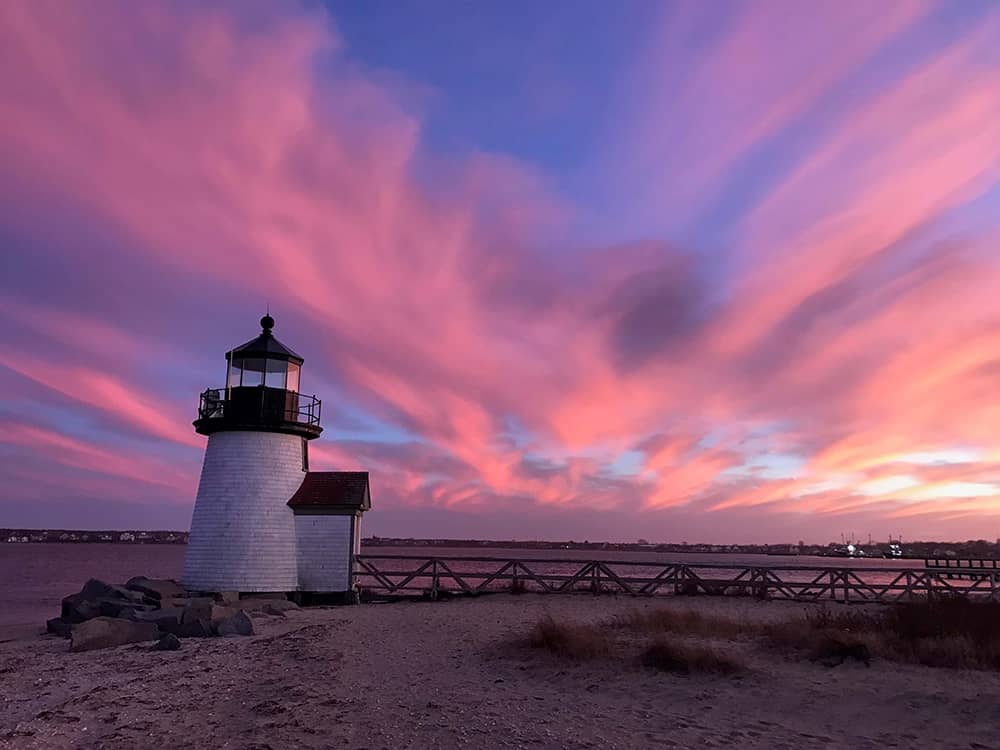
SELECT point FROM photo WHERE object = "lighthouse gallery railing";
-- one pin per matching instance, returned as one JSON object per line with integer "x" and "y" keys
{"x": 258, "y": 402}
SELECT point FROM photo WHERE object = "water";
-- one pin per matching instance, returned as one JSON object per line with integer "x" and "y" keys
{"x": 685, "y": 558}
{"x": 35, "y": 577}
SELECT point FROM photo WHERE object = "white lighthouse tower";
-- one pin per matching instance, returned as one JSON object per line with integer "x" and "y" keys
{"x": 262, "y": 522}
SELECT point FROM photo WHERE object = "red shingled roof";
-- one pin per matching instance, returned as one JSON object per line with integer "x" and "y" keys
{"x": 333, "y": 489}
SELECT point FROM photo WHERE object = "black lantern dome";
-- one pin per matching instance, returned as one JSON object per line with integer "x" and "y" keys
{"x": 262, "y": 391}
{"x": 264, "y": 346}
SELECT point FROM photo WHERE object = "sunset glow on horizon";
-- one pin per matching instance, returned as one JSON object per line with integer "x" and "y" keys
{"x": 722, "y": 272}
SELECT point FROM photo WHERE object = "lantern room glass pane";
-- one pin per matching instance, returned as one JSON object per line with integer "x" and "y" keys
{"x": 253, "y": 372}
{"x": 234, "y": 375}
{"x": 293, "y": 377}
{"x": 275, "y": 375}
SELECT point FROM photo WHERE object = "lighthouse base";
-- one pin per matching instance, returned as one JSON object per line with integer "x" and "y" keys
{"x": 242, "y": 530}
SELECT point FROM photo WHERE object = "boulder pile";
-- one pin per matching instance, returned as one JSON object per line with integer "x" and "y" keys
{"x": 103, "y": 615}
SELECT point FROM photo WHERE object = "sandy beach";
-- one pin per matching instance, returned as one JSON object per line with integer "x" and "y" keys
{"x": 455, "y": 674}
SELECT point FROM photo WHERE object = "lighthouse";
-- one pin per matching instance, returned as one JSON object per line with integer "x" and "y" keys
{"x": 262, "y": 522}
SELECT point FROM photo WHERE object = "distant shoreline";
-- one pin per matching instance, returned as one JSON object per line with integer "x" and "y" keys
{"x": 978, "y": 549}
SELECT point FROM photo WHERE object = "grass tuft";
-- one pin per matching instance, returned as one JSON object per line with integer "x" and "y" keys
{"x": 948, "y": 632}
{"x": 667, "y": 656}
{"x": 588, "y": 641}
{"x": 571, "y": 640}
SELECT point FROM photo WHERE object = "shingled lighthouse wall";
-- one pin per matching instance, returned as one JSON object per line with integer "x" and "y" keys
{"x": 242, "y": 531}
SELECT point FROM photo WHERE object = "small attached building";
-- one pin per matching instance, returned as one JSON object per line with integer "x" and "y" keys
{"x": 328, "y": 507}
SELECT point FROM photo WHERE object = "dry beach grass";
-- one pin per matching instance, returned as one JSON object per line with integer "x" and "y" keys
{"x": 955, "y": 633}
{"x": 621, "y": 640}
{"x": 460, "y": 674}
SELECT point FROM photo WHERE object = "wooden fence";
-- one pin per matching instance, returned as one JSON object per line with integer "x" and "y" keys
{"x": 398, "y": 575}
{"x": 962, "y": 567}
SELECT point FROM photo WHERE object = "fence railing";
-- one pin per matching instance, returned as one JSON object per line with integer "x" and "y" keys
{"x": 415, "y": 574}
{"x": 953, "y": 568}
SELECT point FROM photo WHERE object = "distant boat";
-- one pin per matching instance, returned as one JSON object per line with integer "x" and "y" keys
{"x": 855, "y": 551}
{"x": 835, "y": 552}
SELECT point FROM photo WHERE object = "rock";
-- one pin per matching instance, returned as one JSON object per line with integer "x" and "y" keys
{"x": 108, "y": 632}
{"x": 193, "y": 629}
{"x": 133, "y": 596}
{"x": 187, "y": 601}
{"x": 166, "y": 620}
{"x": 218, "y": 614}
{"x": 154, "y": 588}
{"x": 58, "y": 626}
{"x": 85, "y": 605}
{"x": 196, "y": 601}
{"x": 198, "y": 609}
{"x": 170, "y": 625}
{"x": 270, "y": 609}
{"x": 228, "y": 597}
{"x": 169, "y": 642}
{"x": 120, "y": 608}
{"x": 97, "y": 589}
{"x": 255, "y": 603}
{"x": 76, "y": 609}
{"x": 237, "y": 624}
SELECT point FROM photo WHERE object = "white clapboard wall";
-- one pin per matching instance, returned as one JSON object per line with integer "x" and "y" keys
{"x": 325, "y": 546}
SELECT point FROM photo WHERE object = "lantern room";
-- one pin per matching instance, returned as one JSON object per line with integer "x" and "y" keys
{"x": 261, "y": 391}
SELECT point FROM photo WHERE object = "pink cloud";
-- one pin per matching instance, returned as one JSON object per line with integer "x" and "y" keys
{"x": 440, "y": 296}
{"x": 77, "y": 454}
{"x": 109, "y": 395}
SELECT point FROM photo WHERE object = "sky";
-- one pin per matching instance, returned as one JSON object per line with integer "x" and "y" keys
{"x": 682, "y": 271}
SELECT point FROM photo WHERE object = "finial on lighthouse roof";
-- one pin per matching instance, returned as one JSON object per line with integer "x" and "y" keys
{"x": 265, "y": 346}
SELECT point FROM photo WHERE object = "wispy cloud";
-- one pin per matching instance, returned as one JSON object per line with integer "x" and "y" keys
{"x": 171, "y": 169}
